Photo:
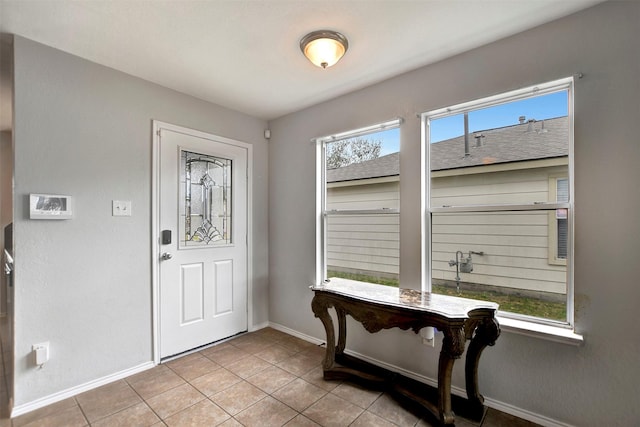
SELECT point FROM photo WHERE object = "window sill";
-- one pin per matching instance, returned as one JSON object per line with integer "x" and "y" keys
{"x": 546, "y": 332}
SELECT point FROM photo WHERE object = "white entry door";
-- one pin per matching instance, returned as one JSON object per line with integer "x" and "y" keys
{"x": 202, "y": 237}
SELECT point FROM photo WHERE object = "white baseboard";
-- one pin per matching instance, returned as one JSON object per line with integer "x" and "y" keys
{"x": 409, "y": 374}
{"x": 73, "y": 391}
{"x": 458, "y": 391}
{"x": 259, "y": 326}
{"x": 524, "y": 414}
{"x": 296, "y": 334}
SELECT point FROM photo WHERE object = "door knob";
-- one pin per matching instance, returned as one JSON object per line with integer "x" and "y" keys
{"x": 165, "y": 256}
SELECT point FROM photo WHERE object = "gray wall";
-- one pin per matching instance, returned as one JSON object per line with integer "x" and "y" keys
{"x": 592, "y": 385}
{"x": 84, "y": 284}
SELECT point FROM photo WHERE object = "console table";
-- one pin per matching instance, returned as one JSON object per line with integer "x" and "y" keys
{"x": 379, "y": 307}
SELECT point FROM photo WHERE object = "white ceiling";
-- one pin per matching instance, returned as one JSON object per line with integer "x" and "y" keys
{"x": 244, "y": 54}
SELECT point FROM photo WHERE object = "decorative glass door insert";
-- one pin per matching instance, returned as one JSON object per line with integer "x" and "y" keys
{"x": 205, "y": 200}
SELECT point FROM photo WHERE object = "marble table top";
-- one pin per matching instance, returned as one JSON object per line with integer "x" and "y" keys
{"x": 448, "y": 306}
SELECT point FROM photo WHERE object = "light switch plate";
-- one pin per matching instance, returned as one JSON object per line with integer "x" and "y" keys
{"x": 121, "y": 208}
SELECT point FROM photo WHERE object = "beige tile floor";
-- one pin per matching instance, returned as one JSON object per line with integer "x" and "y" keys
{"x": 264, "y": 378}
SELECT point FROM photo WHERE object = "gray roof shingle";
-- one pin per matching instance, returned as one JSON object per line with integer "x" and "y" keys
{"x": 528, "y": 141}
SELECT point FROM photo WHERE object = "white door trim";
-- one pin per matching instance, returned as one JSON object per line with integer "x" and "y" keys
{"x": 155, "y": 221}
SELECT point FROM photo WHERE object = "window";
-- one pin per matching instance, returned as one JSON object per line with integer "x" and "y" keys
{"x": 360, "y": 200}
{"x": 499, "y": 201}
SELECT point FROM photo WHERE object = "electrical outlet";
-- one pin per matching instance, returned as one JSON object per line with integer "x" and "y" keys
{"x": 121, "y": 207}
{"x": 428, "y": 336}
{"x": 41, "y": 353}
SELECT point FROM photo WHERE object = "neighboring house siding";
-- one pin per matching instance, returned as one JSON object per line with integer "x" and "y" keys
{"x": 513, "y": 187}
{"x": 360, "y": 195}
{"x": 364, "y": 243}
{"x": 515, "y": 244}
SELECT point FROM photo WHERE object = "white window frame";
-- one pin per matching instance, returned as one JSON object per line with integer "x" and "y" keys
{"x": 321, "y": 190}
{"x": 514, "y": 320}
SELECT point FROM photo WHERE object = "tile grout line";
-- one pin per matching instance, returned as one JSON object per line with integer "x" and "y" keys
{"x": 173, "y": 388}
{"x": 81, "y": 411}
{"x": 270, "y": 394}
{"x": 273, "y": 343}
{"x": 145, "y": 401}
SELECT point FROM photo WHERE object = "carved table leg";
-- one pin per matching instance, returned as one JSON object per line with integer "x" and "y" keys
{"x": 452, "y": 349}
{"x": 321, "y": 310}
{"x": 342, "y": 330}
{"x": 486, "y": 333}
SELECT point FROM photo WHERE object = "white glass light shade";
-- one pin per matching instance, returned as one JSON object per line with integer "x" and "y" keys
{"x": 324, "y": 48}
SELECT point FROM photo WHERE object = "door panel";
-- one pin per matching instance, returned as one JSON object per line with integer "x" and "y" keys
{"x": 223, "y": 286}
{"x": 203, "y": 276}
{"x": 192, "y": 293}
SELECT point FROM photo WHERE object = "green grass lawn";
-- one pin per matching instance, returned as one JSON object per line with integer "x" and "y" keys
{"x": 511, "y": 303}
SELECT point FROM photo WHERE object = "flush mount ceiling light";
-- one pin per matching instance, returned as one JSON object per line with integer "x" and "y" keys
{"x": 324, "y": 48}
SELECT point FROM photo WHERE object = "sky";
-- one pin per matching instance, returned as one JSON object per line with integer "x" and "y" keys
{"x": 538, "y": 108}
